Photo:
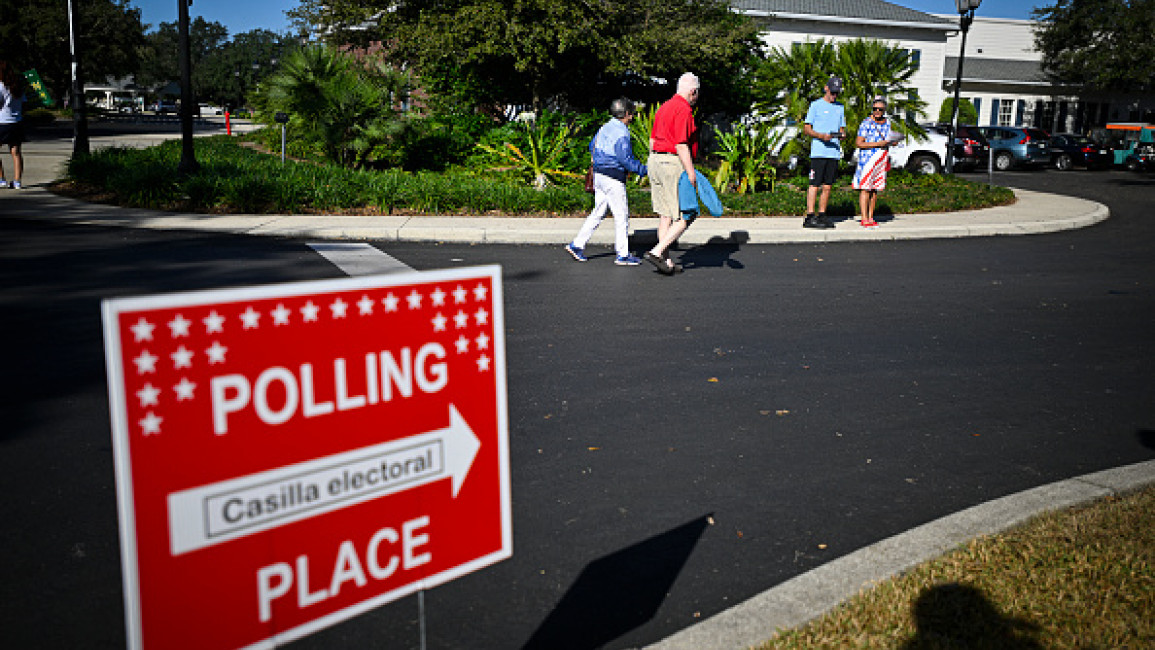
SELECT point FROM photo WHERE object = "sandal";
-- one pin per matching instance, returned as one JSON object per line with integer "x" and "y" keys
{"x": 663, "y": 266}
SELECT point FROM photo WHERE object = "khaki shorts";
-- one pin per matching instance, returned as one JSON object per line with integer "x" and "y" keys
{"x": 664, "y": 170}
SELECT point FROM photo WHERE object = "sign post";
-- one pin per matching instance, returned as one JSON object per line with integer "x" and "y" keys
{"x": 290, "y": 456}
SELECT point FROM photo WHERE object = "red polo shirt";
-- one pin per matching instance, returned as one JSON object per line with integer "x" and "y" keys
{"x": 674, "y": 125}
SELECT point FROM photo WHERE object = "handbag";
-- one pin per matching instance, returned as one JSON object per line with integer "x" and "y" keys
{"x": 590, "y": 180}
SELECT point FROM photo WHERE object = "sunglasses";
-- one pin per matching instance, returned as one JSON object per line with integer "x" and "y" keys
{"x": 878, "y": 108}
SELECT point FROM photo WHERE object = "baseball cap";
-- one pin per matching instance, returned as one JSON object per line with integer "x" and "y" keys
{"x": 834, "y": 84}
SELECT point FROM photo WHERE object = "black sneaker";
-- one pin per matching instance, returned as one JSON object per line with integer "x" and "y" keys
{"x": 824, "y": 221}
{"x": 810, "y": 222}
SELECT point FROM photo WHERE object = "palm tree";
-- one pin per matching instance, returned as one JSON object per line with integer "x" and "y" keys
{"x": 348, "y": 107}
{"x": 788, "y": 80}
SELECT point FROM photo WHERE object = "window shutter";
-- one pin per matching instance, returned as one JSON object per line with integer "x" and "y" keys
{"x": 995, "y": 112}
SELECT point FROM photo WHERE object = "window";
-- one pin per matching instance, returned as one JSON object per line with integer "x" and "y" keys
{"x": 915, "y": 57}
{"x": 1006, "y": 113}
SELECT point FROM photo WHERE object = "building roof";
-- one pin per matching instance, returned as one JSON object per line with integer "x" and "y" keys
{"x": 996, "y": 71}
{"x": 847, "y": 11}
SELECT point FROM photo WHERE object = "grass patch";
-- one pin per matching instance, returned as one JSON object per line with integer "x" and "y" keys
{"x": 1079, "y": 578}
{"x": 237, "y": 179}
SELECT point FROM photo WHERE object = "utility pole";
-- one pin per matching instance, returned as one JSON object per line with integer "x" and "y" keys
{"x": 188, "y": 162}
{"x": 966, "y": 10}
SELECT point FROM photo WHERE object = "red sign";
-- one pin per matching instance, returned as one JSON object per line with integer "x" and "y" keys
{"x": 289, "y": 456}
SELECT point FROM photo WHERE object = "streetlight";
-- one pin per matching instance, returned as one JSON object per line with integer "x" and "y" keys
{"x": 966, "y": 11}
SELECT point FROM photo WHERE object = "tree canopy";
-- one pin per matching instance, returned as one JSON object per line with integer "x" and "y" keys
{"x": 1100, "y": 44}
{"x": 34, "y": 34}
{"x": 550, "y": 53}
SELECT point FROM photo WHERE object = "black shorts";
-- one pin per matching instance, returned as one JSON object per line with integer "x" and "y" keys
{"x": 12, "y": 134}
{"x": 823, "y": 171}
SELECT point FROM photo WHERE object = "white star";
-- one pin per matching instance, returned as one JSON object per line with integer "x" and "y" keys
{"x": 151, "y": 424}
{"x": 414, "y": 299}
{"x": 280, "y": 315}
{"x": 251, "y": 318}
{"x": 438, "y": 297}
{"x": 439, "y": 323}
{"x": 390, "y": 301}
{"x": 338, "y": 308}
{"x": 462, "y": 344}
{"x": 459, "y": 294}
{"x": 483, "y": 363}
{"x": 214, "y": 322}
{"x": 148, "y": 395}
{"x": 216, "y": 353}
{"x": 309, "y": 311}
{"x": 482, "y": 317}
{"x": 461, "y": 319}
{"x": 146, "y": 362}
{"x": 182, "y": 358}
{"x": 142, "y": 331}
{"x": 365, "y": 305}
{"x": 479, "y": 292}
{"x": 179, "y": 326}
{"x": 184, "y": 390}
{"x": 482, "y": 342}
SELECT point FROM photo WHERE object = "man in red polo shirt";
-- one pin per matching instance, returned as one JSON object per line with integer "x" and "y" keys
{"x": 673, "y": 147}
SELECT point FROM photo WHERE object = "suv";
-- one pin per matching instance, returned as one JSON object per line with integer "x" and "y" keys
{"x": 924, "y": 156}
{"x": 1017, "y": 145}
{"x": 970, "y": 147}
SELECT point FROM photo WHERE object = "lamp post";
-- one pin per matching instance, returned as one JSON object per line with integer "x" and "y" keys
{"x": 966, "y": 11}
{"x": 79, "y": 116}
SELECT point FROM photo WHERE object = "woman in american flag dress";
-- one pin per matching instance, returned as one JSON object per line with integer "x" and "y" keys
{"x": 873, "y": 160}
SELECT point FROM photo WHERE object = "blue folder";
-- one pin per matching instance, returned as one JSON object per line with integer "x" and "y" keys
{"x": 688, "y": 198}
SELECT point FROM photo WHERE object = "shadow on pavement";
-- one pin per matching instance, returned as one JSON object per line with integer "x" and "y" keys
{"x": 717, "y": 252}
{"x": 959, "y": 616}
{"x": 618, "y": 592}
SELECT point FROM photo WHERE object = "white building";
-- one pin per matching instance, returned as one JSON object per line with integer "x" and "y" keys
{"x": 1002, "y": 75}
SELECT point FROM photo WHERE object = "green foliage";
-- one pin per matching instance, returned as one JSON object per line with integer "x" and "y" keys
{"x": 967, "y": 114}
{"x": 233, "y": 179}
{"x": 747, "y": 157}
{"x": 35, "y": 34}
{"x": 160, "y": 63}
{"x": 347, "y": 110}
{"x": 1105, "y": 45}
{"x": 790, "y": 79}
{"x": 536, "y": 151}
{"x": 550, "y": 53}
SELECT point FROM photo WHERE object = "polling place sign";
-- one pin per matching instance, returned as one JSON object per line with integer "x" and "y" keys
{"x": 289, "y": 456}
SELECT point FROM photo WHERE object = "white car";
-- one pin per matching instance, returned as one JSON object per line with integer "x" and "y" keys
{"x": 209, "y": 109}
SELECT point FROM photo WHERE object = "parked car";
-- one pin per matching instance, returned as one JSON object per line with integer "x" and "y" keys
{"x": 1073, "y": 150}
{"x": 209, "y": 109}
{"x": 1017, "y": 146}
{"x": 970, "y": 147}
{"x": 920, "y": 155}
{"x": 164, "y": 106}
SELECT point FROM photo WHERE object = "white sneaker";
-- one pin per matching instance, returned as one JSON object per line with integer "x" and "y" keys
{"x": 15, "y": 185}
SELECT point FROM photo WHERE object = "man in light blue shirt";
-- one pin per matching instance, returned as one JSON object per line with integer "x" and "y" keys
{"x": 826, "y": 124}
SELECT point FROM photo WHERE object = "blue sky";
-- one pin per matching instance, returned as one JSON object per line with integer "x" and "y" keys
{"x": 237, "y": 15}
{"x": 244, "y": 15}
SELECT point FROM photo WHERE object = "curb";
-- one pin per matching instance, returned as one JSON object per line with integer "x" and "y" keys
{"x": 1033, "y": 213}
{"x": 816, "y": 592}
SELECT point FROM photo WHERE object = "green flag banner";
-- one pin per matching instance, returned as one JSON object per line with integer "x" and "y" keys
{"x": 38, "y": 87}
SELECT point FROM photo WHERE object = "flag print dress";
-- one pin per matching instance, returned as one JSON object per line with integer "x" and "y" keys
{"x": 872, "y": 163}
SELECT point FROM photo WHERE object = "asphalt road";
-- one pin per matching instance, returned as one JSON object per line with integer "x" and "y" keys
{"x": 677, "y": 444}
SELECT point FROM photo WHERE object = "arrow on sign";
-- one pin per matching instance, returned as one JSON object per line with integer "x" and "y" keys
{"x": 218, "y": 512}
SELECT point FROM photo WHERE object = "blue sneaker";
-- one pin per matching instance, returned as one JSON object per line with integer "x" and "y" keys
{"x": 628, "y": 260}
{"x": 578, "y": 254}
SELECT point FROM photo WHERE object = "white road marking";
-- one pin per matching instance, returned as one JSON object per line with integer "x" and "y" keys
{"x": 359, "y": 259}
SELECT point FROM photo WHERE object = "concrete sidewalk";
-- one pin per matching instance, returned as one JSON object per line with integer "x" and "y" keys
{"x": 1032, "y": 213}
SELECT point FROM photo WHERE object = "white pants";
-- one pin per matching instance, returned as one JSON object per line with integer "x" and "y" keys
{"x": 609, "y": 194}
